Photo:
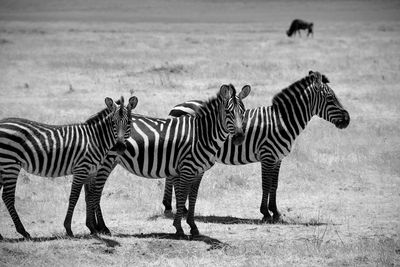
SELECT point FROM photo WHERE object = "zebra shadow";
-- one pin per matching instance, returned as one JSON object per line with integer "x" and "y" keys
{"x": 213, "y": 242}
{"x": 237, "y": 220}
{"x": 108, "y": 242}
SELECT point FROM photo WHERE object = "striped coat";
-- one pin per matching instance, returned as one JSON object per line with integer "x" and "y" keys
{"x": 58, "y": 150}
{"x": 179, "y": 148}
{"x": 271, "y": 132}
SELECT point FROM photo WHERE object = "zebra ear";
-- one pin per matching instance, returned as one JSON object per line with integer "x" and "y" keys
{"x": 110, "y": 103}
{"x": 132, "y": 102}
{"x": 245, "y": 91}
{"x": 324, "y": 79}
{"x": 315, "y": 76}
{"x": 225, "y": 91}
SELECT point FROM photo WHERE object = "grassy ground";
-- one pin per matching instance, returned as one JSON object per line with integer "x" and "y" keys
{"x": 338, "y": 190}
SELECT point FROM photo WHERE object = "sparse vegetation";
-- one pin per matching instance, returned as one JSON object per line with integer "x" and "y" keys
{"x": 338, "y": 190}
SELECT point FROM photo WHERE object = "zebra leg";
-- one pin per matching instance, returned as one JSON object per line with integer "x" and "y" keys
{"x": 76, "y": 187}
{"x": 192, "y": 203}
{"x": 100, "y": 226}
{"x": 9, "y": 177}
{"x": 266, "y": 175}
{"x": 181, "y": 192}
{"x": 265, "y": 189}
{"x": 101, "y": 178}
{"x": 272, "y": 193}
{"x": 167, "y": 199}
{"x": 90, "y": 215}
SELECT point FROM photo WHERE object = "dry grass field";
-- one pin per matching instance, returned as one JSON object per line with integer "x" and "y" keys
{"x": 339, "y": 190}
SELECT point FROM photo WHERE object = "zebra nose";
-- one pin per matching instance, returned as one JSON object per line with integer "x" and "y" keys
{"x": 347, "y": 117}
{"x": 345, "y": 121}
{"x": 121, "y": 134}
{"x": 120, "y": 147}
{"x": 237, "y": 139}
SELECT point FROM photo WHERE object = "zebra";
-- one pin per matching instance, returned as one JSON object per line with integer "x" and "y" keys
{"x": 271, "y": 132}
{"x": 298, "y": 25}
{"x": 180, "y": 149}
{"x": 58, "y": 150}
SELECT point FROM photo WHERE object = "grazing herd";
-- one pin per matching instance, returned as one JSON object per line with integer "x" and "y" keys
{"x": 179, "y": 148}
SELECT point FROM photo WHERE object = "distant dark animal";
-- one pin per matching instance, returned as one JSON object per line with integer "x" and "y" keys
{"x": 298, "y": 25}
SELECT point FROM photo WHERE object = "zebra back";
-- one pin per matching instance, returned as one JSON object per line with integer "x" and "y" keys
{"x": 273, "y": 129}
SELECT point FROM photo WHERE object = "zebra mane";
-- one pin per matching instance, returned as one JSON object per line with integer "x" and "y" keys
{"x": 101, "y": 114}
{"x": 297, "y": 86}
{"x": 105, "y": 112}
{"x": 213, "y": 100}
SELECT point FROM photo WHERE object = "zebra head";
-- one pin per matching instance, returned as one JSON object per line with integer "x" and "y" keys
{"x": 121, "y": 120}
{"x": 327, "y": 105}
{"x": 234, "y": 110}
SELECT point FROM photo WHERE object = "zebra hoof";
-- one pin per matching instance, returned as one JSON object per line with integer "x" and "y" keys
{"x": 26, "y": 235}
{"x": 92, "y": 229}
{"x": 1, "y": 237}
{"x": 180, "y": 234}
{"x": 168, "y": 214}
{"x": 267, "y": 219}
{"x": 194, "y": 232}
{"x": 70, "y": 234}
{"x": 104, "y": 231}
{"x": 276, "y": 219}
{"x": 93, "y": 232}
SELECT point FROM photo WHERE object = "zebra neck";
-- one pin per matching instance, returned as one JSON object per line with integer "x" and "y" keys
{"x": 101, "y": 133}
{"x": 293, "y": 110}
{"x": 210, "y": 130}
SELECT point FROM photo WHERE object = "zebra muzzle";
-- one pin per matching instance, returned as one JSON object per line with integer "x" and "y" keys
{"x": 344, "y": 121}
{"x": 119, "y": 147}
{"x": 237, "y": 139}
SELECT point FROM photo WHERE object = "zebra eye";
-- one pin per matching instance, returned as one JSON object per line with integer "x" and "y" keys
{"x": 329, "y": 98}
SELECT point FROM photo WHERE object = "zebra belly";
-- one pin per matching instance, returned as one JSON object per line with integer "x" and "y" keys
{"x": 47, "y": 168}
{"x": 237, "y": 155}
{"x": 152, "y": 156}
{"x": 134, "y": 169}
{"x": 146, "y": 170}
{"x": 51, "y": 171}
{"x": 50, "y": 162}
{"x": 43, "y": 154}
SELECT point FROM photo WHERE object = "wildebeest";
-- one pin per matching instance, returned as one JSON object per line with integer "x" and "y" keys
{"x": 298, "y": 25}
